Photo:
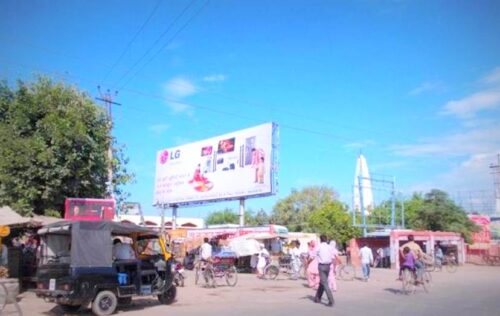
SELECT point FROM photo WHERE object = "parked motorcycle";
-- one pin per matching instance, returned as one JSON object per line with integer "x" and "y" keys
{"x": 178, "y": 272}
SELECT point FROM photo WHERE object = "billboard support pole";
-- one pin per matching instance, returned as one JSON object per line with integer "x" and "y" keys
{"x": 242, "y": 212}
{"x": 162, "y": 227}
{"x": 174, "y": 217}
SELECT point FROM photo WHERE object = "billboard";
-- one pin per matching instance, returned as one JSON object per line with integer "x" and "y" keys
{"x": 232, "y": 166}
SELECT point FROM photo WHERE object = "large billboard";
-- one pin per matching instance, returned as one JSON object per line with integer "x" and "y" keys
{"x": 232, "y": 166}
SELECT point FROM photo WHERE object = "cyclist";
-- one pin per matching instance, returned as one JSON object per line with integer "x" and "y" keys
{"x": 417, "y": 253}
{"x": 206, "y": 251}
{"x": 262, "y": 261}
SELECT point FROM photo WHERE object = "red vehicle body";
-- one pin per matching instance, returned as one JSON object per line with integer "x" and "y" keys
{"x": 89, "y": 209}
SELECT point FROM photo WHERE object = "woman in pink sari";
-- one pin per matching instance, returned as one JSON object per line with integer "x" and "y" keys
{"x": 312, "y": 267}
{"x": 332, "y": 283}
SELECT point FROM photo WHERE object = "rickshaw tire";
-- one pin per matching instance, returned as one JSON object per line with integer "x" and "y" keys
{"x": 231, "y": 276}
{"x": 104, "y": 303}
{"x": 168, "y": 296}
{"x": 271, "y": 272}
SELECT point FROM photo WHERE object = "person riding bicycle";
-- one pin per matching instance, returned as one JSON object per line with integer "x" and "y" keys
{"x": 416, "y": 252}
{"x": 409, "y": 261}
{"x": 206, "y": 251}
{"x": 262, "y": 261}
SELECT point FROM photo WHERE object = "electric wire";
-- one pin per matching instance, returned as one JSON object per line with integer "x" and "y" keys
{"x": 158, "y": 39}
{"x": 132, "y": 40}
{"x": 166, "y": 44}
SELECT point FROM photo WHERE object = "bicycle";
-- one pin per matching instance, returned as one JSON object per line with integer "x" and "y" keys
{"x": 450, "y": 263}
{"x": 410, "y": 280}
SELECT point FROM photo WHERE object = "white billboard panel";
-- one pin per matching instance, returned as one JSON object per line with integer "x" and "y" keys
{"x": 230, "y": 166}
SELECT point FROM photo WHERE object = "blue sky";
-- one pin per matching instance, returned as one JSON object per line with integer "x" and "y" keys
{"x": 414, "y": 85}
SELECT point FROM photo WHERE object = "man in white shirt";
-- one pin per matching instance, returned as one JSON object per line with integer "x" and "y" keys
{"x": 206, "y": 250}
{"x": 366, "y": 255}
{"x": 122, "y": 251}
{"x": 324, "y": 255}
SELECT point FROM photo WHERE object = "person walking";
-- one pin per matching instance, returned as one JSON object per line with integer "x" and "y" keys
{"x": 366, "y": 256}
{"x": 324, "y": 255}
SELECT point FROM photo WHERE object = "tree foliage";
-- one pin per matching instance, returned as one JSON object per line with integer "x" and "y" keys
{"x": 437, "y": 212}
{"x": 54, "y": 145}
{"x": 333, "y": 220}
{"x": 294, "y": 210}
{"x": 228, "y": 216}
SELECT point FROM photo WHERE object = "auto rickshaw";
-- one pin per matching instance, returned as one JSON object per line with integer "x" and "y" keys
{"x": 77, "y": 268}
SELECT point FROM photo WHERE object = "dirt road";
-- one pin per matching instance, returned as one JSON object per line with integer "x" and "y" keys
{"x": 472, "y": 290}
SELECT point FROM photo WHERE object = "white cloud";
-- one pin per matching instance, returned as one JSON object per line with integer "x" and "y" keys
{"x": 175, "y": 90}
{"x": 158, "y": 128}
{"x": 180, "y": 107}
{"x": 471, "y": 142}
{"x": 493, "y": 77}
{"x": 180, "y": 87}
{"x": 470, "y": 105}
{"x": 428, "y": 86}
{"x": 472, "y": 173}
{"x": 215, "y": 78}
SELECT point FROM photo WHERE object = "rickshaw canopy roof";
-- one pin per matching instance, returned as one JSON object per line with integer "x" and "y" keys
{"x": 91, "y": 241}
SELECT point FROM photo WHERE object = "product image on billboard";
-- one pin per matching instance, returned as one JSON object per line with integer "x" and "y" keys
{"x": 235, "y": 165}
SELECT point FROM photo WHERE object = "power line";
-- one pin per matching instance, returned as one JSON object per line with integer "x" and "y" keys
{"x": 252, "y": 103}
{"x": 166, "y": 44}
{"x": 169, "y": 27}
{"x": 240, "y": 116}
{"x": 132, "y": 40}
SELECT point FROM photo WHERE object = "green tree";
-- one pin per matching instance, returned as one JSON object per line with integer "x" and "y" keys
{"x": 294, "y": 210}
{"x": 229, "y": 216}
{"x": 54, "y": 145}
{"x": 437, "y": 212}
{"x": 226, "y": 216}
{"x": 333, "y": 220}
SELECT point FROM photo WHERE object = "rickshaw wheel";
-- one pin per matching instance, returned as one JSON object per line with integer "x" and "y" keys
{"x": 104, "y": 303}
{"x": 168, "y": 296}
{"x": 69, "y": 308}
{"x": 271, "y": 272}
{"x": 231, "y": 276}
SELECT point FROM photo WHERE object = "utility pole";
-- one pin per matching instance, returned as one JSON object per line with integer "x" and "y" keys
{"x": 108, "y": 100}
{"x": 495, "y": 171}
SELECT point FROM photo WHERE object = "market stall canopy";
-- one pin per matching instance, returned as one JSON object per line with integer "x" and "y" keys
{"x": 244, "y": 247}
{"x": 9, "y": 217}
{"x": 260, "y": 236}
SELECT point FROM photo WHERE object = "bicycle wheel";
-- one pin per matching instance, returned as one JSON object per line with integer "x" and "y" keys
{"x": 231, "y": 276}
{"x": 197, "y": 272}
{"x": 271, "y": 272}
{"x": 451, "y": 267}
{"x": 430, "y": 267}
{"x": 408, "y": 282}
{"x": 426, "y": 281}
{"x": 347, "y": 273}
{"x": 209, "y": 276}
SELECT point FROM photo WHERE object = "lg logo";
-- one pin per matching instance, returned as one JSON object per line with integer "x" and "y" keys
{"x": 166, "y": 155}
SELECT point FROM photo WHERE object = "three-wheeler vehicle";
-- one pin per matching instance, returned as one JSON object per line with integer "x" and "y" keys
{"x": 77, "y": 269}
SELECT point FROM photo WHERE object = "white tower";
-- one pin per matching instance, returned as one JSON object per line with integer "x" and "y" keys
{"x": 364, "y": 195}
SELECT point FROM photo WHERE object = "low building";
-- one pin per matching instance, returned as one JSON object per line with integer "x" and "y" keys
{"x": 393, "y": 239}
